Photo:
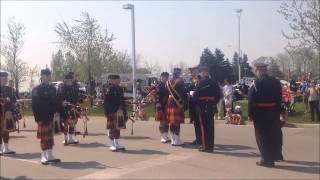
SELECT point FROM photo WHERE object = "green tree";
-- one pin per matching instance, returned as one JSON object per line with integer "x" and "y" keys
{"x": 215, "y": 62}
{"x": 274, "y": 69}
{"x": 11, "y": 48}
{"x": 58, "y": 66}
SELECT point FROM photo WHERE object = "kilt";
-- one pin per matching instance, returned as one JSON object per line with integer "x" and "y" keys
{"x": 161, "y": 116}
{"x": 111, "y": 120}
{"x": 45, "y": 134}
{"x": 175, "y": 114}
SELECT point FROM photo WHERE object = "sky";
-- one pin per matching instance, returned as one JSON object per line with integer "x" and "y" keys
{"x": 166, "y": 31}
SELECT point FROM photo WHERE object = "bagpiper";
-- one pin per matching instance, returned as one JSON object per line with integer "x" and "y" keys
{"x": 264, "y": 109}
{"x": 68, "y": 94}
{"x": 207, "y": 95}
{"x": 7, "y": 98}
{"x": 44, "y": 105}
{"x": 115, "y": 111}
{"x": 162, "y": 95}
{"x": 193, "y": 114}
{"x": 177, "y": 103}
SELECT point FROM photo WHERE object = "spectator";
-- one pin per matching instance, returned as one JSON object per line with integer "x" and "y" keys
{"x": 304, "y": 89}
{"x": 228, "y": 93}
{"x": 313, "y": 100}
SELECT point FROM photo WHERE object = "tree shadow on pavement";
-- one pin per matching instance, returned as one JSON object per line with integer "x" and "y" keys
{"x": 135, "y": 137}
{"x": 144, "y": 152}
{"x": 90, "y": 145}
{"x": 18, "y": 137}
{"x": 26, "y": 156}
{"x": 21, "y": 178}
{"x": 97, "y": 134}
{"x": 303, "y": 167}
{"x": 233, "y": 150}
{"x": 227, "y": 147}
{"x": 80, "y": 165}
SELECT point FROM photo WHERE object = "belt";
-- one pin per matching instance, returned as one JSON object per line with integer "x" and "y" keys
{"x": 265, "y": 105}
{"x": 206, "y": 98}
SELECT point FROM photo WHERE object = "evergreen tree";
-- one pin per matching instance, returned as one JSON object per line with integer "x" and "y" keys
{"x": 274, "y": 70}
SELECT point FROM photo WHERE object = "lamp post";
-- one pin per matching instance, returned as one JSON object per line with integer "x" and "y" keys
{"x": 238, "y": 11}
{"x": 131, "y": 7}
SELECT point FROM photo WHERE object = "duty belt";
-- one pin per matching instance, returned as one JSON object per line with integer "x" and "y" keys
{"x": 265, "y": 105}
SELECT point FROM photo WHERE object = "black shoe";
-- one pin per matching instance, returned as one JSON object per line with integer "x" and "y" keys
{"x": 75, "y": 142}
{"x": 208, "y": 150}
{"x": 0, "y": 153}
{"x": 265, "y": 164}
{"x": 45, "y": 163}
{"x": 10, "y": 152}
{"x": 195, "y": 142}
{"x": 178, "y": 145}
{"x": 54, "y": 160}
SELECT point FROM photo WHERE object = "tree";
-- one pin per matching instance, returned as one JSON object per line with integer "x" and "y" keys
{"x": 58, "y": 66}
{"x": 215, "y": 62}
{"x": 33, "y": 72}
{"x": 304, "y": 19}
{"x": 87, "y": 43}
{"x": 153, "y": 67}
{"x": 246, "y": 69}
{"x": 274, "y": 69}
{"x": 11, "y": 49}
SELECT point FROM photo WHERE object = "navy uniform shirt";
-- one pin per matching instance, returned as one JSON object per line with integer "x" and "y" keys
{"x": 113, "y": 98}
{"x": 44, "y": 103}
{"x": 208, "y": 89}
{"x": 264, "y": 98}
{"x": 162, "y": 95}
{"x": 7, "y": 93}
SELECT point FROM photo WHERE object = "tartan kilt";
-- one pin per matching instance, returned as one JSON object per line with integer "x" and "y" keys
{"x": 45, "y": 133}
{"x": 111, "y": 120}
{"x": 161, "y": 116}
{"x": 175, "y": 115}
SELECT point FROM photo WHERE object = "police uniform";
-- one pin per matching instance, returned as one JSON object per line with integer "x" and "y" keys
{"x": 264, "y": 108}
{"x": 44, "y": 105}
{"x": 115, "y": 111}
{"x": 68, "y": 94}
{"x": 6, "y": 94}
{"x": 193, "y": 114}
{"x": 207, "y": 95}
{"x": 162, "y": 95}
{"x": 177, "y": 103}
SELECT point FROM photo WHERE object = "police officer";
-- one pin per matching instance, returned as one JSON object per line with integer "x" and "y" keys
{"x": 264, "y": 109}
{"x": 193, "y": 114}
{"x": 44, "y": 105}
{"x": 68, "y": 94}
{"x": 115, "y": 110}
{"x": 162, "y": 95}
{"x": 6, "y": 94}
{"x": 207, "y": 95}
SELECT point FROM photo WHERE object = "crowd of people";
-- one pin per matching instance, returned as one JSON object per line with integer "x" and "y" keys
{"x": 171, "y": 99}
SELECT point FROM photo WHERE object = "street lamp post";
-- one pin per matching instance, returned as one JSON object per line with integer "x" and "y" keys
{"x": 239, "y": 14}
{"x": 131, "y": 7}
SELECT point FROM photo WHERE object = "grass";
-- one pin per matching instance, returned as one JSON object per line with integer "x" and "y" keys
{"x": 298, "y": 117}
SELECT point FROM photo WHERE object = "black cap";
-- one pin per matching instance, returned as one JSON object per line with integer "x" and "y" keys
{"x": 45, "y": 72}
{"x": 3, "y": 74}
{"x": 177, "y": 70}
{"x": 113, "y": 76}
{"x": 261, "y": 66}
{"x": 69, "y": 75}
{"x": 203, "y": 68}
{"x": 166, "y": 74}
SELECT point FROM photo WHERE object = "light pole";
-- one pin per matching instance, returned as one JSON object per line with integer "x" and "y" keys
{"x": 131, "y": 7}
{"x": 239, "y": 15}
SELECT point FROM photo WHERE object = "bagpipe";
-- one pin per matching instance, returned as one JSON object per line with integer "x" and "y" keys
{"x": 10, "y": 115}
{"x": 74, "y": 113}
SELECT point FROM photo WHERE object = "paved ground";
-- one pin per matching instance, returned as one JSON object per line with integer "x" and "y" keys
{"x": 234, "y": 158}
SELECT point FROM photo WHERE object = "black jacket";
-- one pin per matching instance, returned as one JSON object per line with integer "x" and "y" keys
{"x": 44, "y": 103}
